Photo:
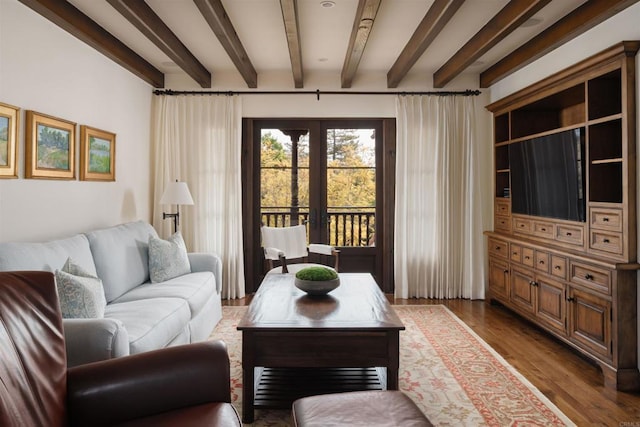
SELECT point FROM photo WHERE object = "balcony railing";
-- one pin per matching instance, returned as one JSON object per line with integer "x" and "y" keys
{"x": 350, "y": 227}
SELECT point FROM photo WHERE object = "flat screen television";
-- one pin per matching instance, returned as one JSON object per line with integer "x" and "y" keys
{"x": 548, "y": 176}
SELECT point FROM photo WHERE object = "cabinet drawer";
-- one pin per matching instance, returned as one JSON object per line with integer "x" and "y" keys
{"x": 606, "y": 241}
{"x": 570, "y": 234}
{"x": 527, "y": 257}
{"x": 559, "y": 266}
{"x": 543, "y": 229}
{"x": 606, "y": 219}
{"x": 503, "y": 207}
{"x": 542, "y": 261}
{"x": 499, "y": 248}
{"x": 521, "y": 225}
{"x": 592, "y": 277}
{"x": 502, "y": 223}
{"x": 516, "y": 253}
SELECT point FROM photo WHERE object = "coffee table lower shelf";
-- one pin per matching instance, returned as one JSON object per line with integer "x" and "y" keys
{"x": 278, "y": 388}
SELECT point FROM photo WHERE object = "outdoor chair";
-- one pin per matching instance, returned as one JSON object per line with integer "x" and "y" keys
{"x": 288, "y": 247}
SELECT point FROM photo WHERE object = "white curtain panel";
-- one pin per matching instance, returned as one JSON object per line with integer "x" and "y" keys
{"x": 439, "y": 245}
{"x": 197, "y": 139}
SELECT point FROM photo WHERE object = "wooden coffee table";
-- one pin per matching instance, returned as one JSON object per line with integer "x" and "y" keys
{"x": 343, "y": 337}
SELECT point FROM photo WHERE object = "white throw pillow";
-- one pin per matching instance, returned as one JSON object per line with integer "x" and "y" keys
{"x": 80, "y": 293}
{"x": 168, "y": 258}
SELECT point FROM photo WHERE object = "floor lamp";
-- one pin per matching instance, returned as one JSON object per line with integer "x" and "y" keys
{"x": 177, "y": 193}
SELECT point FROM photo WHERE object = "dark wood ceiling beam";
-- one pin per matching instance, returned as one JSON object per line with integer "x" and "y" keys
{"x": 582, "y": 19}
{"x": 217, "y": 18}
{"x": 292, "y": 31}
{"x": 438, "y": 15}
{"x": 514, "y": 14}
{"x": 362, "y": 25}
{"x": 72, "y": 20}
{"x": 149, "y": 23}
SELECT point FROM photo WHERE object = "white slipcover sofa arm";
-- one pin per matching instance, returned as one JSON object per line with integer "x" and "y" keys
{"x": 205, "y": 261}
{"x": 91, "y": 340}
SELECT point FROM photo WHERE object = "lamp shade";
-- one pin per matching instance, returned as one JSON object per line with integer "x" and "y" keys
{"x": 176, "y": 193}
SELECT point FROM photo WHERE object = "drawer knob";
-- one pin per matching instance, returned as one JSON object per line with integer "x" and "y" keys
{"x": 497, "y": 248}
{"x": 605, "y": 219}
{"x": 557, "y": 267}
{"x": 568, "y": 233}
{"x": 543, "y": 229}
{"x": 515, "y": 253}
{"x": 527, "y": 257}
{"x": 521, "y": 225}
{"x": 605, "y": 240}
{"x": 505, "y": 271}
{"x": 541, "y": 262}
{"x": 588, "y": 276}
{"x": 571, "y": 299}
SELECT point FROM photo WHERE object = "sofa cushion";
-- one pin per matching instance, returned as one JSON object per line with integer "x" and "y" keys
{"x": 80, "y": 293}
{"x": 195, "y": 288}
{"x": 48, "y": 256}
{"x": 121, "y": 255}
{"x": 151, "y": 323}
{"x": 168, "y": 258}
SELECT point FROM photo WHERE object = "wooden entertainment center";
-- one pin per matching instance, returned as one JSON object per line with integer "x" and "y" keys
{"x": 575, "y": 279}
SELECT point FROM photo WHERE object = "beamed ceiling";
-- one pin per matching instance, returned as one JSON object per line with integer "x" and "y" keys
{"x": 435, "y": 40}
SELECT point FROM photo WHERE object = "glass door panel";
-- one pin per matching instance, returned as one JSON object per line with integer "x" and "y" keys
{"x": 351, "y": 187}
{"x": 284, "y": 182}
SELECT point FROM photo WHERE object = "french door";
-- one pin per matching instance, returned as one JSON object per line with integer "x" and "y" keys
{"x": 326, "y": 174}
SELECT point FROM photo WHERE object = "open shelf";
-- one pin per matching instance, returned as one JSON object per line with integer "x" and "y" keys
{"x": 605, "y": 95}
{"x": 562, "y": 109}
{"x": 605, "y": 182}
{"x": 605, "y": 140}
{"x": 501, "y": 128}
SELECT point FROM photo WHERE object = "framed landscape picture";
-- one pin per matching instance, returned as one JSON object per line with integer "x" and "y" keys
{"x": 97, "y": 154}
{"x": 49, "y": 147}
{"x": 9, "y": 117}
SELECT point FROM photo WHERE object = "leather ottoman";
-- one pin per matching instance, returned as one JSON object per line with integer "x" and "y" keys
{"x": 358, "y": 408}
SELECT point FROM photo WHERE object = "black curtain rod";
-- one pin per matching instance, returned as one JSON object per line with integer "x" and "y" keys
{"x": 317, "y": 93}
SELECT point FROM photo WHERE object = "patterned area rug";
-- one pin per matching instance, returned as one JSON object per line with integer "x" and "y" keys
{"x": 452, "y": 374}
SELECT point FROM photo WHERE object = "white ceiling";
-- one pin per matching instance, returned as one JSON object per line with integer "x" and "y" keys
{"x": 324, "y": 33}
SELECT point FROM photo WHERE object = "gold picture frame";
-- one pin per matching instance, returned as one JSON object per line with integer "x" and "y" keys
{"x": 9, "y": 125}
{"x": 49, "y": 147}
{"x": 97, "y": 154}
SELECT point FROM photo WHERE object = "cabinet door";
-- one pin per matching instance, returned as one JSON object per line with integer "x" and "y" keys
{"x": 551, "y": 305}
{"x": 522, "y": 289}
{"x": 499, "y": 278}
{"x": 589, "y": 322}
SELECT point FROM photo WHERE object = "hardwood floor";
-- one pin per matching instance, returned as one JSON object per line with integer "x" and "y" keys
{"x": 568, "y": 380}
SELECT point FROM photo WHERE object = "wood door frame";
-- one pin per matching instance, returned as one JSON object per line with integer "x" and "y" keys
{"x": 385, "y": 195}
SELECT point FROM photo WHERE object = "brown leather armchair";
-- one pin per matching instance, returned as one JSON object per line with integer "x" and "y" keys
{"x": 185, "y": 385}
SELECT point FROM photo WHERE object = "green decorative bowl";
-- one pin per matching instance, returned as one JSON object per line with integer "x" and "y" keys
{"x": 317, "y": 280}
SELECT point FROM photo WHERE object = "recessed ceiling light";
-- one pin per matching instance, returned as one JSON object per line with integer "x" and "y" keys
{"x": 531, "y": 22}
{"x": 327, "y": 3}
{"x": 323, "y": 59}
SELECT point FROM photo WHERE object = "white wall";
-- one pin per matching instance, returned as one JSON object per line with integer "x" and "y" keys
{"x": 623, "y": 26}
{"x": 43, "y": 68}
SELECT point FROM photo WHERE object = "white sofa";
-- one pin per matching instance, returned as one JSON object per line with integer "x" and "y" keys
{"x": 139, "y": 315}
